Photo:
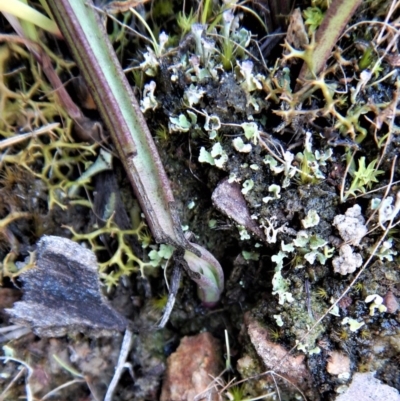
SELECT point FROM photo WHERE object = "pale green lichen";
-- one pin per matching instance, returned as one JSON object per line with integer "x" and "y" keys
{"x": 311, "y": 220}
{"x": 354, "y": 325}
{"x": 149, "y": 101}
{"x": 217, "y": 157}
{"x": 244, "y": 235}
{"x": 180, "y": 123}
{"x": 247, "y": 186}
{"x": 251, "y": 132}
{"x": 275, "y": 190}
{"x": 385, "y": 251}
{"x": 250, "y": 255}
{"x": 162, "y": 254}
{"x": 240, "y": 146}
{"x": 123, "y": 261}
{"x": 376, "y": 304}
{"x": 278, "y": 320}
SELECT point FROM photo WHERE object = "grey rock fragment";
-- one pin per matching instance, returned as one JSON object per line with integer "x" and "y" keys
{"x": 364, "y": 386}
{"x": 347, "y": 261}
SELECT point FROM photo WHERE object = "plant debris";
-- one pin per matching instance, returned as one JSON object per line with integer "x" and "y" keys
{"x": 62, "y": 293}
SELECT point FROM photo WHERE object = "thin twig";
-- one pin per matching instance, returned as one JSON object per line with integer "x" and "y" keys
{"x": 344, "y": 177}
{"x": 57, "y": 389}
{"x": 378, "y": 244}
{"x": 28, "y": 391}
{"x": 5, "y": 143}
{"x": 15, "y": 378}
{"x": 393, "y": 107}
{"x": 123, "y": 355}
{"x": 175, "y": 281}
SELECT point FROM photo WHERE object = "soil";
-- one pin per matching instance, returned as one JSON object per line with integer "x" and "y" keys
{"x": 294, "y": 300}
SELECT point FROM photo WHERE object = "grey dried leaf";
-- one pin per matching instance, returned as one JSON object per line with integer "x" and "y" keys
{"x": 62, "y": 293}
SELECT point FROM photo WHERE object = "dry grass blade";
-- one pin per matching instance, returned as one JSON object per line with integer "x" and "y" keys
{"x": 5, "y": 143}
{"x": 121, "y": 364}
{"x": 28, "y": 390}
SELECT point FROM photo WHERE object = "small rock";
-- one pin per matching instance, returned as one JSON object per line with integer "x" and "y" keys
{"x": 364, "y": 386}
{"x": 190, "y": 370}
{"x": 276, "y": 358}
{"x": 351, "y": 225}
{"x": 347, "y": 261}
{"x": 62, "y": 293}
{"x": 338, "y": 365}
{"x": 391, "y": 303}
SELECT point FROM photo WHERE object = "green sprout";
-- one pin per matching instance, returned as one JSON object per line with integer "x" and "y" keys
{"x": 363, "y": 178}
{"x": 161, "y": 133}
{"x": 313, "y": 18}
{"x": 228, "y": 46}
{"x": 236, "y": 393}
{"x": 367, "y": 58}
{"x": 185, "y": 22}
{"x": 310, "y": 162}
{"x": 207, "y": 274}
{"x": 21, "y": 10}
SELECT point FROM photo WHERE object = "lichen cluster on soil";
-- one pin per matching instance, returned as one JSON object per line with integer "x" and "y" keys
{"x": 297, "y": 156}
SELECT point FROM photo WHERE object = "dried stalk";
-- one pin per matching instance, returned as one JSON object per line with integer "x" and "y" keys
{"x": 85, "y": 34}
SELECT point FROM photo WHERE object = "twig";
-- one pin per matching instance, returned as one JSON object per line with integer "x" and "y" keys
{"x": 5, "y": 143}
{"x": 57, "y": 389}
{"x": 29, "y": 395}
{"x": 15, "y": 378}
{"x": 175, "y": 281}
{"x": 123, "y": 355}
{"x": 333, "y": 24}
{"x": 344, "y": 177}
{"x": 94, "y": 55}
{"x": 390, "y": 226}
{"x": 89, "y": 44}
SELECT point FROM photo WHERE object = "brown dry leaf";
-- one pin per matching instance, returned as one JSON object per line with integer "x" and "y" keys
{"x": 296, "y": 34}
{"x": 228, "y": 199}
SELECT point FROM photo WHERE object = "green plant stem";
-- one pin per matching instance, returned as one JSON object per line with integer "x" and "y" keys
{"x": 85, "y": 34}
